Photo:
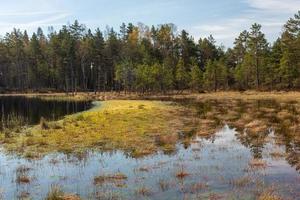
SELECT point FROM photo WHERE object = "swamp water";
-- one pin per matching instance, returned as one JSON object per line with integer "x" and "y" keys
{"x": 251, "y": 148}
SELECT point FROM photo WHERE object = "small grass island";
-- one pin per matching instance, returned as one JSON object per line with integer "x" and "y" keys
{"x": 137, "y": 127}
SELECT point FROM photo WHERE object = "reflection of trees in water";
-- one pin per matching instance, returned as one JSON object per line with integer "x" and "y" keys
{"x": 254, "y": 120}
{"x": 292, "y": 148}
{"x": 20, "y": 111}
{"x": 255, "y": 142}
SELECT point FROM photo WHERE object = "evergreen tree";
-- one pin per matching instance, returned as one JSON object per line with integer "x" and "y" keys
{"x": 182, "y": 76}
{"x": 216, "y": 75}
{"x": 290, "y": 61}
{"x": 257, "y": 51}
{"x": 196, "y": 80}
{"x": 143, "y": 59}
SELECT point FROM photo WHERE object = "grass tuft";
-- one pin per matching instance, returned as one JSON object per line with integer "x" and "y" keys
{"x": 112, "y": 178}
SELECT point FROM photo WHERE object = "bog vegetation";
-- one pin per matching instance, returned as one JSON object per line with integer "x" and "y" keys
{"x": 147, "y": 59}
{"x": 151, "y": 123}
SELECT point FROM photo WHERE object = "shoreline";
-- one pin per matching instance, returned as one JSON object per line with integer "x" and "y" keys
{"x": 103, "y": 96}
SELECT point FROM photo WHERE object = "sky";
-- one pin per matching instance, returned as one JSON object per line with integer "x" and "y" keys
{"x": 224, "y": 19}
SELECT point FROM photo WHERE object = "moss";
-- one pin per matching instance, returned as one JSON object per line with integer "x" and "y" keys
{"x": 123, "y": 125}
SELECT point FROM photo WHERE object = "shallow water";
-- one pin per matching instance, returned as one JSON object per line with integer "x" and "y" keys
{"x": 232, "y": 163}
{"x": 214, "y": 166}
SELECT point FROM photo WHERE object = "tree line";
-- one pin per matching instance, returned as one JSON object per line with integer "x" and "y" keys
{"x": 144, "y": 59}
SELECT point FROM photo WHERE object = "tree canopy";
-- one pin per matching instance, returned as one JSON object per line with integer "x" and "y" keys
{"x": 141, "y": 58}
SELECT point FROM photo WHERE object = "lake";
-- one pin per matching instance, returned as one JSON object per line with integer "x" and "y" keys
{"x": 252, "y": 147}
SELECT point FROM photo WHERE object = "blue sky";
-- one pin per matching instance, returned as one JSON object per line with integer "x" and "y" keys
{"x": 224, "y": 19}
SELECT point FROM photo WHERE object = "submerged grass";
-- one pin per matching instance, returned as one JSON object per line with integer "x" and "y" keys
{"x": 22, "y": 175}
{"x": 111, "y": 178}
{"x": 143, "y": 191}
{"x": 56, "y": 193}
{"x": 131, "y": 126}
{"x": 268, "y": 195}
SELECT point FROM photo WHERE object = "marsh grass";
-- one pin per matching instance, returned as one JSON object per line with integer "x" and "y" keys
{"x": 124, "y": 124}
{"x": 22, "y": 176}
{"x": 44, "y": 124}
{"x": 164, "y": 185}
{"x": 276, "y": 155}
{"x": 11, "y": 126}
{"x": 241, "y": 182}
{"x": 113, "y": 125}
{"x": 182, "y": 174}
{"x": 23, "y": 179}
{"x": 142, "y": 128}
{"x": 23, "y": 169}
{"x": 117, "y": 179}
{"x": 269, "y": 195}
{"x": 24, "y": 195}
{"x": 144, "y": 169}
{"x": 143, "y": 191}
{"x": 13, "y": 122}
{"x": 56, "y": 193}
{"x": 258, "y": 164}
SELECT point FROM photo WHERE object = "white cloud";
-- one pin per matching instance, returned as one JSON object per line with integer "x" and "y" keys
{"x": 275, "y": 5}
{"x": 211, "y": 28}
{"x": 271, "y": 14}
{"x": 37, "y": 19}
{"x": 28, "y": 13}
{"x": 49, "y": 20}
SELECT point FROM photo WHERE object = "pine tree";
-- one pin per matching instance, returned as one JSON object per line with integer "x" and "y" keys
{"x": 274, "y": 73}
{"x": 182, "y": 76}
{"x": 139, "y": 58}
{"x": 257, "y": 51}
{"x": 290, "y": 62}
{"x": 240, "y": 47}
{"x": 196, "y": 80}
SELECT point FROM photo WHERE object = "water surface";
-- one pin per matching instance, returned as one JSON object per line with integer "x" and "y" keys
{"x": 252, "y": 148}
{"x": 20, "y": 110}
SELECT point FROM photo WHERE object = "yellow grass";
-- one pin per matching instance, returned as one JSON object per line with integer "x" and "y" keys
{"x": 132, "y": 126}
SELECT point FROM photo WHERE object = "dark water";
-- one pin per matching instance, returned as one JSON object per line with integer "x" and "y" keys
{"x": 253, "y": 148}
{"x": 18, "y": 110}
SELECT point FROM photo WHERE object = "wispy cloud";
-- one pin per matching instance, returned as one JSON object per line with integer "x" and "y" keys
{"x": 211, "y": 28}
{"x": 49, "y": 20}
{"x": 271, "y": 14}
{"x": 29, "y": 13}
{"x": 36, "y": 19}
{"x": 223, "y": 19}
{"x": 286, "y": 6}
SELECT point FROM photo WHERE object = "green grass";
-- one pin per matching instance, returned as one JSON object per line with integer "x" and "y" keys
{"x": 131, "y": 126}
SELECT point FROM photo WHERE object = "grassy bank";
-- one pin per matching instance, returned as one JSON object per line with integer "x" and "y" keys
{"x": 136, "y": 127}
